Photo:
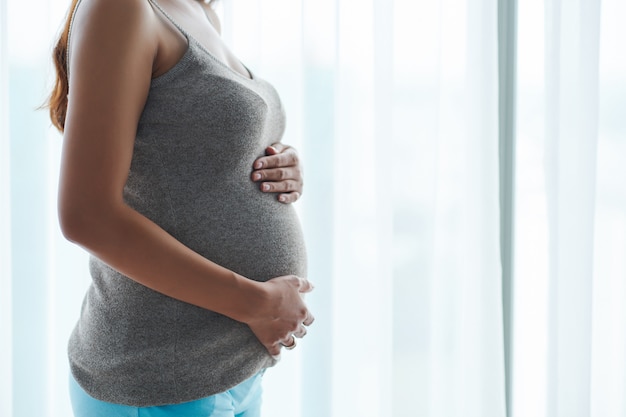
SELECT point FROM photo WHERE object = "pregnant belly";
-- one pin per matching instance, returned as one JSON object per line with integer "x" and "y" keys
{"x": 256, "y": 236}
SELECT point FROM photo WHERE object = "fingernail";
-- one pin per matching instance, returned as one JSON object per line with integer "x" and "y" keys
{"x": 258, "y": 165}
{"x": 256, "y": 176}
{"x": 265, "y": 187}
{"x": 282, "y": 198}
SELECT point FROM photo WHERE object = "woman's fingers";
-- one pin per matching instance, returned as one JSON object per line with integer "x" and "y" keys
{"x": 284, "y": 185}
{"x": 278, "y": 174}
{"x": 283, "y": 314}
{"x": 277, "y": 155}
{"x": 289, "y": 342}
{"x": 279, "y": 171}
{"x": 279, "y": 180}
{"x": 301, "y": 332}
{"x": 289, "y": 197}
{"x": 309, "y": 320}
{"x": 304, "y": 285}
{"x": 276, "y": 148}
{"x": 273, "y": 349}
{"x": 290, "y": 190}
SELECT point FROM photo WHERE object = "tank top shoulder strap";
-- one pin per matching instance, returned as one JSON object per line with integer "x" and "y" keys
{"x": 69, "y": 35}
{"x": 170, "y": 18}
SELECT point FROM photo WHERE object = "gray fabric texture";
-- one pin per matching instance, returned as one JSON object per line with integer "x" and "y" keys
{"x": 201, "y": 129}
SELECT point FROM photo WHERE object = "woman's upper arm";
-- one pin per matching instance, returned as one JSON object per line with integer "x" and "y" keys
{"x": 112, "y": 48}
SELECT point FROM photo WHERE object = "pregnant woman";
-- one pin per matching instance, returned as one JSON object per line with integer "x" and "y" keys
{"x": 173, "y": 180}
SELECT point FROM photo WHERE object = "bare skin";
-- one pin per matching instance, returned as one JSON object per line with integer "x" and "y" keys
{"x": 279, "y": 172}
{"x": 105, "y": 102}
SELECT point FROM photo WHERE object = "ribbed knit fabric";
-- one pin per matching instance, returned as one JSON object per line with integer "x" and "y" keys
{"x": 202, "y": 127}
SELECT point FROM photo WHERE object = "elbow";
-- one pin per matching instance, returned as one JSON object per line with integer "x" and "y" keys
{"x": 82, "y": 223}
{"x": 74, "y": 223}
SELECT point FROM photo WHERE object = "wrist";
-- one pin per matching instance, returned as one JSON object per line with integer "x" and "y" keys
{"x": 249, "y": 296}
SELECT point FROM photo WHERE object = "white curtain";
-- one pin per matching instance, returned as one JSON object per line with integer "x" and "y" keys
{"x": 42, "y": 276}
{"x": 570, "y": 327}
{"x": 5, "y": 226}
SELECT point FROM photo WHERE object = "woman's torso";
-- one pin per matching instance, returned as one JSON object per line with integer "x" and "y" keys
{"x": 203, "y": 125}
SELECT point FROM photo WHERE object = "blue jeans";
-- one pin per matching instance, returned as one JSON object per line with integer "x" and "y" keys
{"x": 244, "y": 400}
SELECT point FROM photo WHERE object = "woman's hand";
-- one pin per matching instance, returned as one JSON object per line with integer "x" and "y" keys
{"x": 281, "y": 313}
{"x": 279, "y": 171}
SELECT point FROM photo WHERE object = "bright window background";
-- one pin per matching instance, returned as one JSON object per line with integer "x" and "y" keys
{"x": 49, "y": 275}
{"x": 531, "y": 247}
{"x": 610, "y": 238}
{"x": 545, "y": 49}
{"x": 394, "y": 104}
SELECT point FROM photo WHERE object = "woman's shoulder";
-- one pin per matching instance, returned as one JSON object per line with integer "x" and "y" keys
{"x": 111, "y": 31}
{"x": 123, "y": 10}
{"x": 102, "y": 19}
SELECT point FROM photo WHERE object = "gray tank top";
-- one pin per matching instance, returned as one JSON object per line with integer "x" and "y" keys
{"x": 202, "y": 127}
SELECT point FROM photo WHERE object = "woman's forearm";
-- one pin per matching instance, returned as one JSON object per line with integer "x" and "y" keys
{"x": 138, "y": 248}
